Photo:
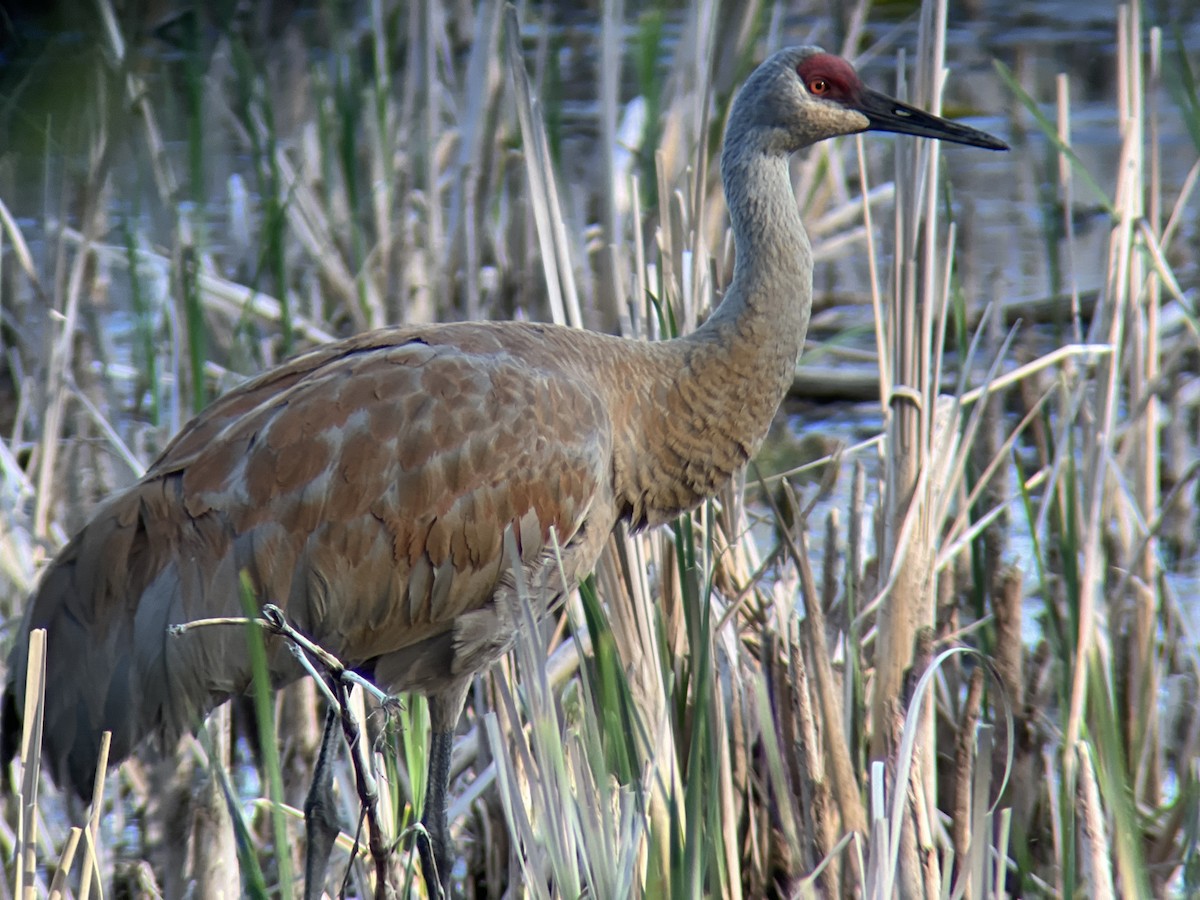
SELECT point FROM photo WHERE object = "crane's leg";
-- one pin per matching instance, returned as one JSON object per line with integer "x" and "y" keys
{"x": 320, "y": 813}
{"x": 437, "y": 860}
{"x": 437, "y": 853}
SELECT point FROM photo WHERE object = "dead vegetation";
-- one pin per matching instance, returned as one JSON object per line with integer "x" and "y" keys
{"x": 971, "y": 673}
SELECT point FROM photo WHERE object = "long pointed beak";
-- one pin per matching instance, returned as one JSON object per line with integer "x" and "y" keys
{"x": 888, "y": 114}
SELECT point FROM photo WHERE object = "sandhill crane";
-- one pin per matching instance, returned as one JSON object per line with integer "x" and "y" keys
{"x": 366, "y": 486}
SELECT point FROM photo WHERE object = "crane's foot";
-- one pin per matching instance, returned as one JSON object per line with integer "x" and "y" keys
{"x": 320, "y": 814}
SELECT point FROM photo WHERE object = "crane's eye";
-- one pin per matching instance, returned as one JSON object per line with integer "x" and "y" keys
{"x": 818, "y": 86}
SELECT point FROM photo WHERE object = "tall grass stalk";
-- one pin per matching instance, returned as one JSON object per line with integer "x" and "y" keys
{"x": 548, "y": 215}
{"x": 265, "y": 718}
{"x": 31, "y": 759}
{"x": 908, "y": 550}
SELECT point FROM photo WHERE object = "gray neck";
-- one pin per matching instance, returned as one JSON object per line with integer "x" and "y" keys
{"x": 772, "y": 275}
{"x": 725, "y": 381}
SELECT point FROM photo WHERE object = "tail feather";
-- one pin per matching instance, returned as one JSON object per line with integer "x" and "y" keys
{"x": 106, "y": 603}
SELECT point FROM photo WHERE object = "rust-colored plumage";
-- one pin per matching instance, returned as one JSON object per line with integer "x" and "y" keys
{"x": 366, "y": 487}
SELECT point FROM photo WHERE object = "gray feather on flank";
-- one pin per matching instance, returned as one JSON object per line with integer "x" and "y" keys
{"x": 443, "y": 580}
{"x": 420, "y": 584}
{"x": 530, "y": 538}
{"x": 158, "y": 702}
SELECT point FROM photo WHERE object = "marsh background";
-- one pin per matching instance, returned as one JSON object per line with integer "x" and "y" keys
{"x": 193, "y": 192}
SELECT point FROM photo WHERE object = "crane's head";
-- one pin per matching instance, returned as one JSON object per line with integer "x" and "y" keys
{"x": 802, "y": 95}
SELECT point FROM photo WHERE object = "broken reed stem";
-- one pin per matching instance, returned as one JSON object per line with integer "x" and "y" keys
{"x": 852, "y": 692}
{"x": 1095, "y": 849}
{"x": 964, "y": 769}
{"x": 813, "y": 787}
{"x": 837, "y": 754}
{"x": 90, "y": 870}
{"x": 1009, "y": 651}
{"x": 58, "y": 885}
{"x": 31, "y": 764}
{"x": 368, "y": 792}
{"x": 923, "y": 784}
{"x": 339, "y": 679}
{"x": 274, "y": 622}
